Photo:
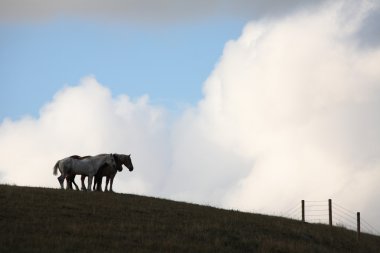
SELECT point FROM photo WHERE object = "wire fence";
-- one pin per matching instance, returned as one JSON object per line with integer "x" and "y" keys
{"x": 318, "y": 211}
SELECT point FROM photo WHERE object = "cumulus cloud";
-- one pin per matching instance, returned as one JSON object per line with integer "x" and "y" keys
{"x": 290, "y": 112}
{"x": 86, "y": 120}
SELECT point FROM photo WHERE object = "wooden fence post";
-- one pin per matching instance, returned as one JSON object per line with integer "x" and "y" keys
{"x": 358, "y": 225}
{"x": 330, "y": 212}
{"x": 303, "y": 210}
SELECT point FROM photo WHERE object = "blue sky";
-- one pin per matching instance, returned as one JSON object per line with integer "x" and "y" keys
{"x": 265, "y": 98}
{"x": 169, "y": 62}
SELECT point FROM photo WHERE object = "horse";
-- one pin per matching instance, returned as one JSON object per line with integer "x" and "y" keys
{"x": 88, "y": 166}
{"x": 109, "y": 172}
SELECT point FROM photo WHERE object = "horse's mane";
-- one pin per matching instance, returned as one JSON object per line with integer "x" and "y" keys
{"x": 119, "y": 163}
{"x": 79, "y": 157}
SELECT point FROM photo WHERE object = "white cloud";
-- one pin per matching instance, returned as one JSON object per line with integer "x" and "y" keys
{"x": 290, "y": 112}
{"x": 83, "y": 120}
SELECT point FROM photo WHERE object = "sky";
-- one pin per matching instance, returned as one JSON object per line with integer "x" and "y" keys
{"x": 251, "y": 105}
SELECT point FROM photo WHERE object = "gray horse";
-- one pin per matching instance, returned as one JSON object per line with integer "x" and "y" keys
{"x": 88, "y": 166}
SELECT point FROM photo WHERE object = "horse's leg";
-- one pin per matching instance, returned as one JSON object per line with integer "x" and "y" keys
{"x": 73, "y": 181}
{"x": 82, "y": 180}
{"x": 89, "y": 182}
{"x": 96, "y": 180}
{"x": 69, "y": 181}
{"x": 68, "y": 184}
{"x": 107, "y": 181}
{"x": 76, "y": 186}
{"x": 111, "y": 183}
{"x": 99, "y": 183}
{"x": 61, "y": 180}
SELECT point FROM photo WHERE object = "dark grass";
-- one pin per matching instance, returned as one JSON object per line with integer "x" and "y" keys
{"x": 52, "y": 220}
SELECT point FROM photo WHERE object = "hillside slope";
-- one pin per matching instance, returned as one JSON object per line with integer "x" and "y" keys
{"x": 52, "y": 220}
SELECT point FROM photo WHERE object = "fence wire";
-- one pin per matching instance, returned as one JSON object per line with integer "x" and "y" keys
{"x": 317, "y": 211}
{"x": 293, "y": 212}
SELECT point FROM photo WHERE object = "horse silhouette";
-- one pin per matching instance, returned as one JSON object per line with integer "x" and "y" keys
{"x": 87, "y": 166}
{"x": 104, "y": 171}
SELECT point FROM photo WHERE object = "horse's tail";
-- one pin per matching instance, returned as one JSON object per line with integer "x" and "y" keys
{"x": 55, "y": 168}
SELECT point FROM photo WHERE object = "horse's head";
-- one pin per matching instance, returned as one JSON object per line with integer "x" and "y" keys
{"x": 128, "y": 162}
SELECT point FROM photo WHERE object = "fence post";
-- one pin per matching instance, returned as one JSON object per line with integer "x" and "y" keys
{"x": 358, "y": 225}
{"x": 303, "y": 210}
{"x": 330, "y": 212}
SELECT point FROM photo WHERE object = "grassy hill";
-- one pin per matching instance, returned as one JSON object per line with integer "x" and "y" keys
{"x": 52, "y": 220}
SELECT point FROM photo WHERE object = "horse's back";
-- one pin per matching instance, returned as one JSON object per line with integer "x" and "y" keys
{"x": 81, "y": 166}
{"x": 80, "y": 157}
{"x": 87, "y": 165}
{"x": 84, "y": 165}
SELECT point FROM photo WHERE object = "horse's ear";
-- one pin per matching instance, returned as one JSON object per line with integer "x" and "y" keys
{"x": 129, "y": 155}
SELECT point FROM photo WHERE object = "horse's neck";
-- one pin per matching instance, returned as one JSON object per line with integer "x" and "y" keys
{"x": 119, "y": 161}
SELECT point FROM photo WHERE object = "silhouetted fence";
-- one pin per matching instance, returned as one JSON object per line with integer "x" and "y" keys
{"x": 334, "y": 214}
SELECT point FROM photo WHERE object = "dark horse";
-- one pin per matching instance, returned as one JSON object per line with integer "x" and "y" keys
{"x": 105, "y": 171}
